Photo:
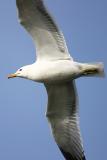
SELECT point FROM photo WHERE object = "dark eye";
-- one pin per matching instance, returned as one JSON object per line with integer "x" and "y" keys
{"x": 20, "y": 69}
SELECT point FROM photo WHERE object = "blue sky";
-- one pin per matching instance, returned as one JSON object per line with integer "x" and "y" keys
{"x": 24, "y": 131}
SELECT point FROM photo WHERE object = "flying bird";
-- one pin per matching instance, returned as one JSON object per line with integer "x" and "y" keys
{"x": 57, "y": 70}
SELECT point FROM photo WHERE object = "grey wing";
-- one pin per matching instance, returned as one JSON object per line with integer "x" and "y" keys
{"x": 62, "y": 114}
{"x": 49, "y": 41}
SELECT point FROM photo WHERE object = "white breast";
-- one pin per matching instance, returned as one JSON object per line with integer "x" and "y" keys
{"x": 50, "y": 71}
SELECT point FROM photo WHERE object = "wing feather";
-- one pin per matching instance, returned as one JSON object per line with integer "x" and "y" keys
{"x": 62, "y": 114}
{"x": 49, "y": 40}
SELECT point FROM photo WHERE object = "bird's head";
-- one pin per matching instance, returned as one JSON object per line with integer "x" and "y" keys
{"x": 21, "y": 72}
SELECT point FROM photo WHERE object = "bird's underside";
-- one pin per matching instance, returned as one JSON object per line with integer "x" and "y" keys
{"x": 62, "y": 105}
{"x": 62, "y": 111}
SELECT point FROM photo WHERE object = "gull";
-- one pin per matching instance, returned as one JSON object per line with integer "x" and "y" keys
{"x": 57, "y": 70}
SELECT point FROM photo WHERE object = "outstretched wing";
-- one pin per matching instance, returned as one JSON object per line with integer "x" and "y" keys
{"x": 62, "y": 114}
{"x": 49, "y": 41}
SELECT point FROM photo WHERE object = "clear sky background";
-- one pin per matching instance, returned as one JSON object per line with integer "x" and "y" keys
{"x": 24, "y": 131}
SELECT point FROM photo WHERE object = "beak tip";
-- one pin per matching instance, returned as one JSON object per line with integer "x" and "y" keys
{"x": 8, "y": 77}
{"x": 11, "y": 76}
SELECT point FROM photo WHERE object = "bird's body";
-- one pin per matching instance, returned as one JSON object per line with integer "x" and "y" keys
{"x": 57, "y": 70}
{"x": 52, "y": 71}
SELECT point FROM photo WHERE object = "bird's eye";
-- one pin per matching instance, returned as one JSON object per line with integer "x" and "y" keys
{"x": 20, "y": 69}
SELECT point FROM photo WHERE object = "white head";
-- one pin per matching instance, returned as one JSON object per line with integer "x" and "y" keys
{"x": 23, "y": 72}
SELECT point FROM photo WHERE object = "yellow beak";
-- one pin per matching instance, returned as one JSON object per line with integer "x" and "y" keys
{"x": 12, "y": 75}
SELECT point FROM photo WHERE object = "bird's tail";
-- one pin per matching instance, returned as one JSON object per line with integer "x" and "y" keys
{"x": 93, "y": 69}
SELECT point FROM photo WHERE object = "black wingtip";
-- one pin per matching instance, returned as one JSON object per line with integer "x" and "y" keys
{"x": 68, "y": 156}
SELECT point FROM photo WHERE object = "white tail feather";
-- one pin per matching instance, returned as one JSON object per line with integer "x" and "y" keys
{"x": 93, "y": 69}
